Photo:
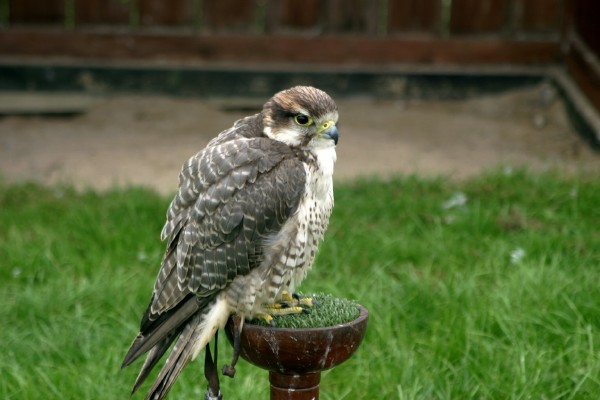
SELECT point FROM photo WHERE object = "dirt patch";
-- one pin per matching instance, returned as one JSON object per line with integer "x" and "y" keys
{"x": 123, "y": 140}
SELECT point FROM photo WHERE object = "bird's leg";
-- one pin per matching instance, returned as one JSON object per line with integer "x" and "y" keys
{"x": 213, "y": 391}
{"x": 238, "y": 323}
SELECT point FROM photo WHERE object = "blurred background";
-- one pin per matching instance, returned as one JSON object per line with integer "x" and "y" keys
{"x": 91, "y": 89}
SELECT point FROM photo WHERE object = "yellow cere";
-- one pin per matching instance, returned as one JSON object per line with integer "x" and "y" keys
{"x": 326, "y": 125}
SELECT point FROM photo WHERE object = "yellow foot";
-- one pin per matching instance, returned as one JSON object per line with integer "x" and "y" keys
{"x": 294, "y": 300}
{"x": 268, "y": 318}
{"x": 287, "y": 304}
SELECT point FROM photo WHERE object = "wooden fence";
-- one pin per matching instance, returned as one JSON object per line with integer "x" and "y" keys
{"x": 372, "y": 31}
{"x": 438, "y": 18}
{"x": 357, "y": 32}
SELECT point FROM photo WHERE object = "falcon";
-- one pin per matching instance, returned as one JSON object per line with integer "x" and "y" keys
{"x": 241, "y": 232}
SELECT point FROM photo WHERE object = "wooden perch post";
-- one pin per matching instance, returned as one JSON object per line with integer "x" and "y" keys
{"x": 296, "y": 357}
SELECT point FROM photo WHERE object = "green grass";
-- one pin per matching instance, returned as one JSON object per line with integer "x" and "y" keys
{"x": 497, "y": 297}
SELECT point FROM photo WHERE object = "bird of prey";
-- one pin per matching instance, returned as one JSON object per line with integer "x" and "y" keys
{"x": 242, "y": 230}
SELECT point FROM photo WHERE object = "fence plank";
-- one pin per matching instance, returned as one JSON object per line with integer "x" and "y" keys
{"x": 261, "y": 49}
{"x": 36, "y": 12}
{"x": 295, "y": 15}
{"x": 351, "y": 16}
{"x": 101, "y": 12}
{"x": 229, "y": 15}
{"x": 161, "y": 12}
{"x": 478, "y": 16}
{"x": 540, "y": 15}
{"x": 414, "y": 16}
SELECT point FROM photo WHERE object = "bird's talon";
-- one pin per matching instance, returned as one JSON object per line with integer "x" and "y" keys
{"x": 268, "y": 318}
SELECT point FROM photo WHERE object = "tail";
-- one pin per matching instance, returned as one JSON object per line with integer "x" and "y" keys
{"x": 192, "y": 333}
{"x": 181, "y": 354}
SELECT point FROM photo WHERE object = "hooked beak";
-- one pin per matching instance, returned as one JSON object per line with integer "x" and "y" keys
{"x": 329, "y": 130}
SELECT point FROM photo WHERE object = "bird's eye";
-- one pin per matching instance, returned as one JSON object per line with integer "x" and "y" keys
{"x": 303, "y": 120}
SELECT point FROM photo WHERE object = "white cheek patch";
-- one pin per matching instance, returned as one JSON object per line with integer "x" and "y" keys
{"x": 289, "y": 136}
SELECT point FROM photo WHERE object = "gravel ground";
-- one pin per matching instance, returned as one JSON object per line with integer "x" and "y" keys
{"x": 123, "y": 140}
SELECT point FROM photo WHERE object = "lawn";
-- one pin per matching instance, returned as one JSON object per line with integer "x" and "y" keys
{"x": 487, "y": 288}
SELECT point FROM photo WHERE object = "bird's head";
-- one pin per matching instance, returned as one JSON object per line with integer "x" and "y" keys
{"x": 302, "y": 116}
